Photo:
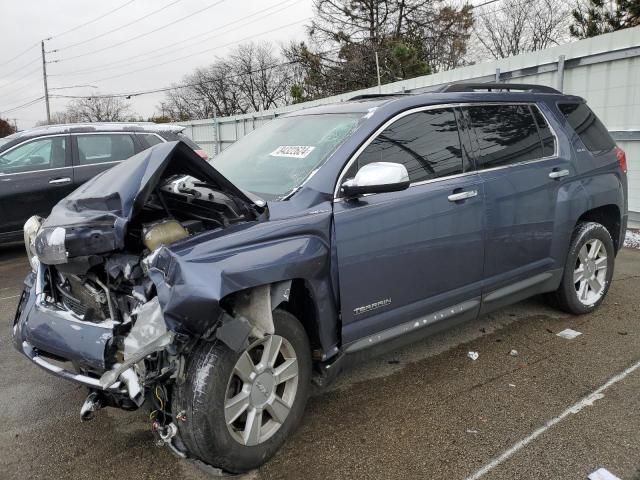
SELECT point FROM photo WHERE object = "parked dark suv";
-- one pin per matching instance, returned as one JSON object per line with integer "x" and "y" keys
{"x": 216, "y": 293}
{"x": 42, "y": 165}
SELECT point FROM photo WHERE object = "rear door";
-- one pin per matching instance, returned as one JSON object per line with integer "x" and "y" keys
{"x": 518, "y": 162}
{"x": 404, "y": 257}
{"x": 97, "y": 152}
{"x": 34, "y": 176}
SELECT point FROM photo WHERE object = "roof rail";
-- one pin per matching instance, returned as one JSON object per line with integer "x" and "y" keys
{"x": 378, "y": 95}
{"x": 473, "y": 87}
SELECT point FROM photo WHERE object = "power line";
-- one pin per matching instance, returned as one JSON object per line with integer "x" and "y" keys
{"x": 92, "y": 21}
{"x": 20, "y": 54}
{"x": 7, "y": 75}
{"x": 198, "y": 53}
{"x": 187, "y": 85}
{"x": 28, "y": 104}
{"x": 82, "y": 42}
{"x": 142, "y": 34}
{"x": 21, "y": 88}
{"x": 169, "y": 48}
{"x": 20, "y": 78}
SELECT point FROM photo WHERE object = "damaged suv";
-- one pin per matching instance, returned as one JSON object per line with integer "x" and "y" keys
{"x": 215, "y": 294}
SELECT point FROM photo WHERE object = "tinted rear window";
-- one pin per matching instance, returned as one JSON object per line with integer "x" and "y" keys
{"x": 588, "y": 127}
{"x": 507, "y": 134}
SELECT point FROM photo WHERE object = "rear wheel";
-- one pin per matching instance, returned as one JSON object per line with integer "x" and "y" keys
{"x": 588, "y": 270}
{"x": 241, "y": 407}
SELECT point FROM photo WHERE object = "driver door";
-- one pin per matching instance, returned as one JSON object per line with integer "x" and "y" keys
{"x": 413, "y": 257}
{"x": 34, "y": 176}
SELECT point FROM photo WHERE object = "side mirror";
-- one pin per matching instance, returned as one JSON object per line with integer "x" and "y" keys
{"x": 377, "y": 177}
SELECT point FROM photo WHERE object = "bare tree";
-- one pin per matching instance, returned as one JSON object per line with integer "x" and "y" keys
{"x": 250, "y": 79}
{"x": 514, "y": 27}
{"x": 94, "y": 109}
{"x": 261, "y": 78}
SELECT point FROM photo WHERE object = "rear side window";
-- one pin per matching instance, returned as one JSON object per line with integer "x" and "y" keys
{"x": 547, "y": 138}
{"x": 426, "y": 143}
{"x": 101, "y": 148}
{"x": 588, "y": 127}
{"x": 151, "y": 139}
{"x": 507, "y": 134}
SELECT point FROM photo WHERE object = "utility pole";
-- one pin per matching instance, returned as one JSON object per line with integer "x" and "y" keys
{"x": 44, "y": 76}
{"x": 378, "y": 71}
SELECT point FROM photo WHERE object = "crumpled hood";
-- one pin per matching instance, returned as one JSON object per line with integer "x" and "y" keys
{"x": 100, "y": 209}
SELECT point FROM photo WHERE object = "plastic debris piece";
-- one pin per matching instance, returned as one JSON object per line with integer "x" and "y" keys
{"x": 512, "y": 385}
{"x": 569, "y": 334}
{"x": 513, "y": 353}
{"x": 471, "y": 430}
{"x": 602, "y": 474}
{"x": 473, "y": 355}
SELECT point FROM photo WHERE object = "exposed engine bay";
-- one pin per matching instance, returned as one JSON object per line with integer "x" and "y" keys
{"x": 112, "y": 326}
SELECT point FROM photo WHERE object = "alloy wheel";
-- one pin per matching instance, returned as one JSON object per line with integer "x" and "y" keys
{"x": 589, "y": 276}
{"x": 261, "y": 390}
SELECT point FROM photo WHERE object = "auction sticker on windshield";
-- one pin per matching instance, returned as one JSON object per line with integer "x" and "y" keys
{"x": 292, "y": 151}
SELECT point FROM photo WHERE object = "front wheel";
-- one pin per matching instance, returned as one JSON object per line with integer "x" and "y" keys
{"x": 241, "y": 407}
{"x": 588, "y": 270}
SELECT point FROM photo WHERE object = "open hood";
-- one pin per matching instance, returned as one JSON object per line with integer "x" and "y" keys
{"x": 97, "y": 213}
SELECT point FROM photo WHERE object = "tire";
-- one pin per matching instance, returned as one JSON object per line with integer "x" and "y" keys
{"x": 212, "y": 380}
{"x": 580, "y": 297}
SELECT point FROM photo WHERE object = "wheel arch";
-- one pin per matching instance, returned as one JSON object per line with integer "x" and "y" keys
{"x": 609, "y": 216}
{"x": 296, "y": 296}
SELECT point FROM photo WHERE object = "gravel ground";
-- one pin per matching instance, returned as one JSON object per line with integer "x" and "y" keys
{"x": 424, "y": 411}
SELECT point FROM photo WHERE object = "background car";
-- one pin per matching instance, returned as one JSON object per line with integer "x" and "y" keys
{"x": 40, "y": 166}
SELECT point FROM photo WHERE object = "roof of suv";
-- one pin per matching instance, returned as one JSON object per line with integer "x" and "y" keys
{"x": 97, "y": 127}
{"x": 453, "y": 93}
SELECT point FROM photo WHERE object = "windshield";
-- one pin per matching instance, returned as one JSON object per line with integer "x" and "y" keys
{"x": 275, "y": 159}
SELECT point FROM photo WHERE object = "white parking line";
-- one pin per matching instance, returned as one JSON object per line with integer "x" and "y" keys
{"x": 8, "y": 298}
{"x": 575, "y": 408}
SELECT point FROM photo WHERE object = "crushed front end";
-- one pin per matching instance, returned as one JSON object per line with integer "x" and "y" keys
{"x": 100, "y": 306}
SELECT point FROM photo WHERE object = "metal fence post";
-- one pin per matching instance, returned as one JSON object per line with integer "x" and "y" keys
{"x": 560, "y": 84}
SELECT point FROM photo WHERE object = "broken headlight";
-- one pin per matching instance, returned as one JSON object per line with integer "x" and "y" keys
{"x": 50, "y": 245}
{"x": 30, "y": 230}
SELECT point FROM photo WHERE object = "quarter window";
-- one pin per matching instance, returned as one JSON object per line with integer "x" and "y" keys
{"x": 104, "y": 148}
{"x": 590, "y": 130}
{"x": 151, "y": 139}
{"x": 41, "y": 154}
{"x": 507, "y": 134}
{"x": 426, "y": 143}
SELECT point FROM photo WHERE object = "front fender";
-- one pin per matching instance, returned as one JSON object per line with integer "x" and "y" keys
{"x": 191, "y": 285}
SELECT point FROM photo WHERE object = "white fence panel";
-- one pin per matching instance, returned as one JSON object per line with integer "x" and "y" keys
{"x": 605, "y": 70}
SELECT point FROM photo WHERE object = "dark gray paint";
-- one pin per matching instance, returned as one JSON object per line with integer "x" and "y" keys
{"x": 415, "y": 247}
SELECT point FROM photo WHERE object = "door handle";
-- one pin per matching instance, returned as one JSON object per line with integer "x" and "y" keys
{"x": 456, "y": 197}
{"x": 59, "y": 181}
{"x": 558, "y": 173}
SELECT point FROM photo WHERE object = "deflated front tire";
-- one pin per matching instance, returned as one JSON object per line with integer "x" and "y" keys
{"x": 238, "y": 408}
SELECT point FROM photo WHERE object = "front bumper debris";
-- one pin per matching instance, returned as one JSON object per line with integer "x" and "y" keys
{"x": 50, "y": 336}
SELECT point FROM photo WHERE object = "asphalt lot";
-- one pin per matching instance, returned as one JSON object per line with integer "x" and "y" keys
{"x": 425, "y": 411}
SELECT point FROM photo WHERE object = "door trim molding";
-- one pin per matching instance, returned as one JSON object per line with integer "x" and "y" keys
{"x": 412, "y": 326}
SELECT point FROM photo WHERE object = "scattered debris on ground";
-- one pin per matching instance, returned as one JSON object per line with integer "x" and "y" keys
{"x": 602, "y": 474}
{"x": 632, "y": 240}
{"x": 473, "y": 355}
{"x": 569, "y": 334}
{"x": 513, "y": 353}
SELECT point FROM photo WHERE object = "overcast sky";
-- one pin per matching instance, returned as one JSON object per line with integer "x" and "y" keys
{"x": 220, "y": 25}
